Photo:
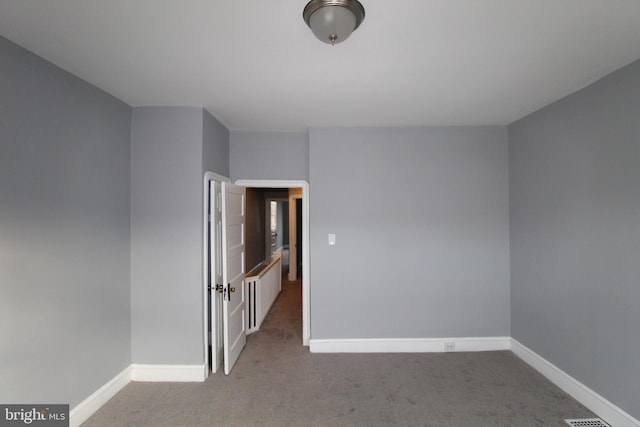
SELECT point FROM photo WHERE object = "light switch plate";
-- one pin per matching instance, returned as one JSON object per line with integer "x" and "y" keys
{"x": 332, "y": 239}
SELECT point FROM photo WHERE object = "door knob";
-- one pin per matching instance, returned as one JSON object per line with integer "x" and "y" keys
{"x": 232, "y": 289}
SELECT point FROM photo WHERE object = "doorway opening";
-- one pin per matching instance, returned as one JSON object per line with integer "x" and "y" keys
{"x": 288, "y": 200}
{"x": 298, "y": 195}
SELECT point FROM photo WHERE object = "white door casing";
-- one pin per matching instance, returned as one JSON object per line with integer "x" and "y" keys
{"x": 215, "y": 268}
{"x": 233, "y": 272}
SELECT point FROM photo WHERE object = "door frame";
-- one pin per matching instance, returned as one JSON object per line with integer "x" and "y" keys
{"x": 306, "y": 283}
{"x": 208, "y": 177}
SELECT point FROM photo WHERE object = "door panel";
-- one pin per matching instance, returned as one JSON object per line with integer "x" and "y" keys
{"x": 233, "y": 271}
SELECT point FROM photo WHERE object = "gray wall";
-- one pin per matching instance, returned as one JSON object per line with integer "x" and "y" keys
{"x": 421, "y": 220}
{"x": 64, "y": 233}
{"x": 575, "y": 235}
{"x": 255, "y": 228}
{"x": 269, "y": 155}
{"x": 166, "y": 235}
{"x": 215, "y": 145}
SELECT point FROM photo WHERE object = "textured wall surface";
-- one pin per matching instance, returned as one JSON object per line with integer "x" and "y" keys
{"x": 269, "y": 155}
{"x": 421, "y": 221}
{"x": 64, "y": 233}
{"x": 215, "y": 145}
{"x": 166, "y": 235}
{"x": 575, "y": 235}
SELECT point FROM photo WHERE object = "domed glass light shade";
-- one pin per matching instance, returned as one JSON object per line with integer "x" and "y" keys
{"x": 333, "y": 21}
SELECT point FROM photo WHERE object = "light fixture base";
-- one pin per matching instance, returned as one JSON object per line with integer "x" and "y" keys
{"x": 333, "y": 21}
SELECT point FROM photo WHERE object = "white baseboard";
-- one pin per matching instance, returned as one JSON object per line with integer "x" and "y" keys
{"x": 169, "y": 373}
{"x": 151, "y": 373}
{"x": 409, "y": 345}
{"x": 197, "y": 373}
{"x": 583, "y": 394}
{"x": 91, "y": 404}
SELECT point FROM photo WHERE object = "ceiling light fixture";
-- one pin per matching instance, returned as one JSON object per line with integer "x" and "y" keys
{"x": 333, "y": 21}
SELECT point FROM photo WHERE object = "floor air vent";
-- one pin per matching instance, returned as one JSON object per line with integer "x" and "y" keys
{"x": 587, "y": 422}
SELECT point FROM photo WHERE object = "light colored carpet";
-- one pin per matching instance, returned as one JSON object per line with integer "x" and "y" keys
{"x": 277, "y": 382}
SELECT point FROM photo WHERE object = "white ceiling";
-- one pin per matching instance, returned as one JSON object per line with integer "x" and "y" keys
{"x": 255, "y": 65}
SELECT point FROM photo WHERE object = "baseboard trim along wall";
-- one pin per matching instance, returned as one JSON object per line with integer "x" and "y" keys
{"x": 583, "y": 394}
{"x": 168, "y": 373}
{"x": 91, "y": 404}
{"x": 409, "y": 345}
{"x": 149, "y": 373}
{"x": 197, "y": 373}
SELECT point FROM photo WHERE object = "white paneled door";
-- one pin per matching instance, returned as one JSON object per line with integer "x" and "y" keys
{"x": 233, "y": 242}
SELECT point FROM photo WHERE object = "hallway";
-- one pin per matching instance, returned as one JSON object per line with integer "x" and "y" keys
{"x": 282, "y": 328}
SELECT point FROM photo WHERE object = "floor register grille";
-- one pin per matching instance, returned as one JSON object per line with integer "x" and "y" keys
{"x": 587, "y": 422}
